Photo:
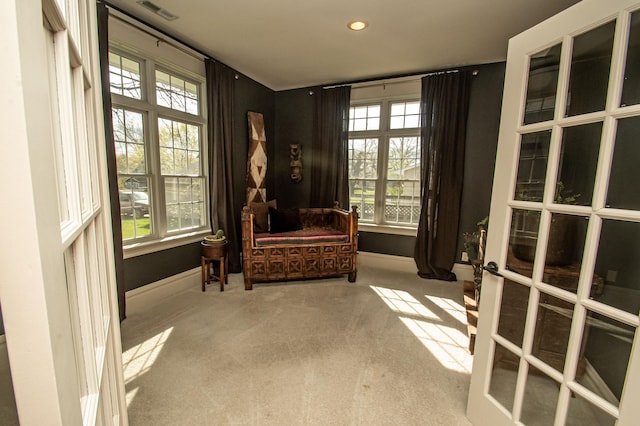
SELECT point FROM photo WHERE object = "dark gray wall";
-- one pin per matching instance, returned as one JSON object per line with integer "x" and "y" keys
{"x": 480, "y": 151}
{"x": 148, "y": 268}
{"x": 294, "y": 124}
{"x": 249, "y": 96}
{"x": 398, "y": 245}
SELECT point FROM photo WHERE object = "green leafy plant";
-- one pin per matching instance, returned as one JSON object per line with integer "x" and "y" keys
{"x": 561, "y": 196}
{"x": 472, "y": 240}
{"x": 565, "y": 196}
{"x": 219, "y": 234}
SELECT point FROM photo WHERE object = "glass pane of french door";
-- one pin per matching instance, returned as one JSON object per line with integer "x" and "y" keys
{"x": 568, "y": 303}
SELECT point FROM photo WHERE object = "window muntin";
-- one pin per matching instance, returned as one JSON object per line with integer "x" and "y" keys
{"x": 128, "y": 136}
{"x": 124, "y": 76}
{"x": 363, "y": 174}
{"x": 405, "y": 115}
{"x": 159, "y": 151}
{"x": 180, "y": 166}
{"x": 179, "y": 145}
{"x": 135, "y": 207}
{"x": 133, "y": 181}
{"x": 184, "y": 203}
{"x": 402, "y": 197}
{"x": 176, "y": 93}
{"x": 384, "y": 162}
{"x": 365, "y": 117}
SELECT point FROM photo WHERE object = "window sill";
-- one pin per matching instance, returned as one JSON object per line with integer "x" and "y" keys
{"x": 139, "y": 249}
{"x": 387, "y": 229}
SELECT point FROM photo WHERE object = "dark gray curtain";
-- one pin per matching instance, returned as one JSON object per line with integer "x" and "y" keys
{"x": 112, "y": 169}
{"x": 329, "y": 169}
{"x": 444, "y": 109}
{"x": 220, "y": 94}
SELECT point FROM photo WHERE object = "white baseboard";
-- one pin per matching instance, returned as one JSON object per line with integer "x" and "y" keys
{"x": 142, "y": 297}
{"x": 402, "y": 263}
{"x": 463, "y": 271}
{"x": 399, "y": 263}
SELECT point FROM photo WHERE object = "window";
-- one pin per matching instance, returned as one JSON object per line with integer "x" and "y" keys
{"x": 158, "y": 127}
{"x": 384, "y": 162}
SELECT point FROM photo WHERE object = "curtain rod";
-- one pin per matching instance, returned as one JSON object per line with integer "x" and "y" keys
{"x": 394, "y": 80}
{"x": 142, "y": 27}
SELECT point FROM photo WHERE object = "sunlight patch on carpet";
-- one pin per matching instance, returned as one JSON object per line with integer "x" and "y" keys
{"x": 456, "y": 310}
{"x": 140, "y": 358}
{"x": 446, "y": 343}
{"x": 404, "y": 303}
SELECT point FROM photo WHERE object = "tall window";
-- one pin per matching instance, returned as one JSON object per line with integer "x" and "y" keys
{"x": 384, "y": 162}
{"x": 158, "y": 124}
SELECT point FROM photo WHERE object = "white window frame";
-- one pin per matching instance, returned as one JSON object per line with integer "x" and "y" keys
{"x": 61, "y": 321}
{"x": 160, "y": 237}
{"x": 383, "y": 135}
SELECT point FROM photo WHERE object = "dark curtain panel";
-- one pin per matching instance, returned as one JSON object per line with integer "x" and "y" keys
{"x": 112, "y": 170}
{"x": 444, "y": 108}
{"x": 220, "y": 93}
{"x": 329, "y": 169}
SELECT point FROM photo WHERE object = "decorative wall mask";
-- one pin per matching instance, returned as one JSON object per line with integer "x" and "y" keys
{"x": 295, "y": 155}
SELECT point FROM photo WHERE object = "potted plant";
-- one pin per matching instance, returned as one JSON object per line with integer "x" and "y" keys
{"x": 215, "y": 239}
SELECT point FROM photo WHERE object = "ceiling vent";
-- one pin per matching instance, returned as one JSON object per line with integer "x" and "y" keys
{"x": 158, "y": 10}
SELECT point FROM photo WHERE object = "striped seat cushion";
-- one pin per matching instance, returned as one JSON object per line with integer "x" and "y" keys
{"x": 306, "y": 236}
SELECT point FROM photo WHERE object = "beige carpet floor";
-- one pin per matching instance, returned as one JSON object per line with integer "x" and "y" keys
{"x": 390, "y": 349}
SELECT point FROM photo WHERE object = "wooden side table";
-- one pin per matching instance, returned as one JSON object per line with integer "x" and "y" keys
{"x": 210, "y": 254}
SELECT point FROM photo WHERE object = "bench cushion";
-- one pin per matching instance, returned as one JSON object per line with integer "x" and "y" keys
{"x": 304, "y": 236}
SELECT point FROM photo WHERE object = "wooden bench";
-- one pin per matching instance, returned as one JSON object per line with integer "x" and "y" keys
{"x": 326, "y": 246}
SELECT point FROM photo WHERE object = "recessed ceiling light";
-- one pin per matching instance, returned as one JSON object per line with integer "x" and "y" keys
{"x": 357, "y": 25}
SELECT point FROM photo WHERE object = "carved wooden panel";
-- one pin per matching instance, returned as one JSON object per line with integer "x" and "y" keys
{"x": 294, "y": 251}
{"x": 275, "y": 251}
{"x": 257, "y": 253}
{"x": 294, "y": 267}
{"x": 329, "y": 250}
{"x": 258, "y": 268}
{"x": 345, "y": 263}
{"x": 329, "y": 264}
{"x": 311, "y": 265}
{"x": 346, "y": 248}
{"x": 276, "y": 267}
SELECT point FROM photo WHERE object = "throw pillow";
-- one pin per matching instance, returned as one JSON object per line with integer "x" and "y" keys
{"x": 261, "y": 215}
{"x": 284, "y": 220}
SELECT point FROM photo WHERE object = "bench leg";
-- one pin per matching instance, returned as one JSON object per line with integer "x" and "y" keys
{"x": 248, "y": 284}
{"x": 352, "y": 276}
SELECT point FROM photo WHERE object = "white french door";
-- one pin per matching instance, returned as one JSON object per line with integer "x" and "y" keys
{"x": 558, "y": 324}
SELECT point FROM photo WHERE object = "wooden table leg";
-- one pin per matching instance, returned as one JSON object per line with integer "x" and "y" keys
{"x": 203, "y": 264}
{"x": 226, "y": 269}
{"x": 222, "y": 271}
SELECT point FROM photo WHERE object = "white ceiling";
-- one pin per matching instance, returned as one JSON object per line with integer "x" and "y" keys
{"x": 286, "y": 44}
